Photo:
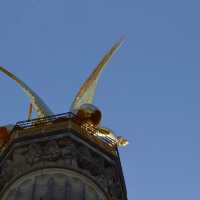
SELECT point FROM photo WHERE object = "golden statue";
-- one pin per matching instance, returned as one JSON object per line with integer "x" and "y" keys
{"x": 82, "y": 105}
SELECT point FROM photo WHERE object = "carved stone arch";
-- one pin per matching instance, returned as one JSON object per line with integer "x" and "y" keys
{"x": 54, "y": 184}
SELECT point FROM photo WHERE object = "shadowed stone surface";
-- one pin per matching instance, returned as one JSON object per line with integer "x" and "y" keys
{"x": 58, "y": 166}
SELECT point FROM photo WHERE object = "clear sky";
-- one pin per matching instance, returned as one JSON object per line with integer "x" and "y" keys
{"x": 149, "y": 92}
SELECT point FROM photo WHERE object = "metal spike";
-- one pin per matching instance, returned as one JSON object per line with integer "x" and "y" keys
{"x": 40, "y": 107}
{"x": 87, "y": 91}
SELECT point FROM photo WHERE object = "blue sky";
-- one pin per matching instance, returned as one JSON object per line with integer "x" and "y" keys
{"x": 148, "y": 93}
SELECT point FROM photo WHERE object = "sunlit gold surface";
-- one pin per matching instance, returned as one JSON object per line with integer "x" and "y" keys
{"x": 87, "y": 91}
{"x": 38, "y": 104}
{"x": 86, "y": 131}
{"x": 89, "y": 113}
{"x": 109, "y": 134}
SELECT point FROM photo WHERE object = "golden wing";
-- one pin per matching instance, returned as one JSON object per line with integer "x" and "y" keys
{"x": 40, "y": 107}
{"x": 87, "y": 91}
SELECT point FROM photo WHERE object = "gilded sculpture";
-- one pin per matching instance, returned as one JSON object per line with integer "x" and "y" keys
{"x": 82, "y": 105}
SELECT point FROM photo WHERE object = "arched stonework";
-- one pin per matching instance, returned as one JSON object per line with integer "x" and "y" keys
{"x": 64, "y": 151}
{"x": 54, "y": 184}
